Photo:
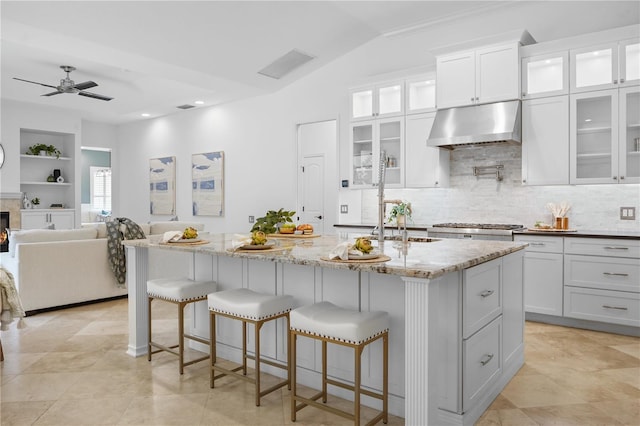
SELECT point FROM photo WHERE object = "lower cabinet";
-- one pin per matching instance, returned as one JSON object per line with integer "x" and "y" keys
{"x": 615, "y": 307}
{"x": 482, "y": 361}
{"x": 543, "y": 274}
{"x": 40, "y": 219}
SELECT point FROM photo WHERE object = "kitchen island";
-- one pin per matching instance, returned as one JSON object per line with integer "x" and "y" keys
{"x": 456, "y": 310}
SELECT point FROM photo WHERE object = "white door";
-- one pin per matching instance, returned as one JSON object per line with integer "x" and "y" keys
{"x": 312, "y": 204}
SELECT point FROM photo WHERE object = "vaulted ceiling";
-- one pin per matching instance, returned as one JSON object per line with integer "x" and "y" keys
{"x": 152, "y": 56}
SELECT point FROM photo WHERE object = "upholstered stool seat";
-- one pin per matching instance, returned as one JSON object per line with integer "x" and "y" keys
{"x": 331, "y": 324}
{"x": 255, "y": 308}
{"x": 180, "y": 291}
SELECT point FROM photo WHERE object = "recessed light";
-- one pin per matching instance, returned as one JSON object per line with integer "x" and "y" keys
{"x": 199, "y": 102}
{"x": 146, "y": 114}
{"x": 588, "y": 120}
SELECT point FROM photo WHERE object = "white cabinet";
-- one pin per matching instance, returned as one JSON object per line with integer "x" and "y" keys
{"x": 605, "y": 66}
{"x": 382, "y": 100}
{"x": 603, "y": 129}
{"x": 545, "y": 141}
{"x": 426, "y": 167}
{"x": 545, "y": 75}
{"x": 40, "y": 219}
{"x": 602, "y": 280}
{"x": 484, "y": 75}
{"x": 420, "y": 94}
{"x": 368, "y": 139}
{"x": 543, "y": 274}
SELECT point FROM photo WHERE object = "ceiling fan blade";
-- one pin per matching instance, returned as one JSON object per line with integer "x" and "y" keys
{"x": 35, "y": 82}
{"x": 85, "y": 85}
{"x": 52, "y": 93}
{"x": 94, "y": 96}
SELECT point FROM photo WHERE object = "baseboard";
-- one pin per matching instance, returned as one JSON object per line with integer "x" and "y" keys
{"x": 626, "y": 330}
{"x": 73, "y": 305}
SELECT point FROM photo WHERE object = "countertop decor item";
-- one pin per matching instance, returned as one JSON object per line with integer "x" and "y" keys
{"x": 43, "y": 149}
{"x": 269, "y": 223}
{"x": 35, "y": 202}
{"x": 400, "y": 212}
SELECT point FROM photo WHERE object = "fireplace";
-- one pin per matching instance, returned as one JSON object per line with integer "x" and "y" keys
{"x": 4, "y": 235}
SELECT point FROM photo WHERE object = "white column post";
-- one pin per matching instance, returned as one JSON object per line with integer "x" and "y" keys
{"x": 137, "y": 274}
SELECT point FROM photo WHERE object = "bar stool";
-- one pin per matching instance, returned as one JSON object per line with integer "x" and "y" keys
{"x": 327, "y": 322}
{"x": 254, "y": 308}
{"x": 180, "y": 291}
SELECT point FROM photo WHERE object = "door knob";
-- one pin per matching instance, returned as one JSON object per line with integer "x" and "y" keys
{"x": 318, "y": 217}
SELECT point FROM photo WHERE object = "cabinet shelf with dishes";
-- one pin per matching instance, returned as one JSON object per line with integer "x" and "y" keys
{"x": 594, "y": 155}
{"x": 589, "y": 130}
{"x": 44, "y": 157}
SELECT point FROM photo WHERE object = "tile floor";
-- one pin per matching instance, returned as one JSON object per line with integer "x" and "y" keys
{"x": 69, "y": 368}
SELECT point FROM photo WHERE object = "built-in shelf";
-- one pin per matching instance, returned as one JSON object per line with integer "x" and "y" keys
{"x": 363, "y": 141}
{"x": 633, "y": 152}
{"x": 391, "y": 139}
{"x": 594, "y": 155}
{"x": 44, "y": 157}
{"x": 46, "y": 183}
{"x": 588, "y": 130}
{"x": 633, "y": 125}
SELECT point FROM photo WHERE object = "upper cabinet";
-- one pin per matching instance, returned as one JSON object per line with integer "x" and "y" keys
{"x": 377, "y": 101}
{"x": 426, "y": 166}
{"x": 545, "y": 75}
{"x": 605, "y": 66}
{"x": 368, "y": 140}
{"x": 489, "y": 74}
{"x": 605, "y": 126}
{"x": 420, "y": 94}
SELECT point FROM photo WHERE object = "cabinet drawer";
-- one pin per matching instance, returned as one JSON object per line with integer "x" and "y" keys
{"x": 616, "y": 307}
{"x": 602, "y": 247}
{"x": 482, "y": 296}
{"x": 541, "y": 244}
{"x": 482, "y": 362}
{"x": 606, "y": 273}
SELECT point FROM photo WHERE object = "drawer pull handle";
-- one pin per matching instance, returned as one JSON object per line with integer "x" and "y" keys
{"x": 486, "y": 360}
{"x": 486, "y": 293}
{"x": 537, "y": 244}
{"x": 615, "y": 274}
{"x": 616, "y": 248}
{"x": 620, "y": 308}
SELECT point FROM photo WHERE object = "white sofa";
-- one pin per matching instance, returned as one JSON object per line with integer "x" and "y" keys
{"x": 54, "y": 268}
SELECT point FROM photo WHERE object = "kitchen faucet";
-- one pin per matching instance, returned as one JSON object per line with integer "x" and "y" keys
{"x": 381, "y": 201}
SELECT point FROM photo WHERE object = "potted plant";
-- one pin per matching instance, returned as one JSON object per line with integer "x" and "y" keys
{"x": 270, "y": 222}
{"x": 43, "y": 149}
{"x": 400, "y": 213}
{"x": 35, "y": 202}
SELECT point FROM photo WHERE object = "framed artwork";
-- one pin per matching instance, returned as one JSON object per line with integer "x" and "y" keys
{"x": 162, "y": 185}
{"x": 207, "y": 179}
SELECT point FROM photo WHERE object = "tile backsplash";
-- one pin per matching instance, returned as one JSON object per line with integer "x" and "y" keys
{"x": 484, "y": 200}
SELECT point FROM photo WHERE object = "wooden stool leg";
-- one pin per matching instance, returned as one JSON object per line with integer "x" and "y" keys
{"x": 1, "y": 352}
{"x": 292, "y": 367}
{"x": 324, "y": 371}
{"x": 257, "y": 326}
{"x": 385, "y": 378}
{"x": 288, "y": 354}
{"x": 149, "y": 299}
{"x": 181, "y": 335}
{"x": 212, "y": 347}
{"x": 244, "y": 347}
{"x": 357, "y": 384}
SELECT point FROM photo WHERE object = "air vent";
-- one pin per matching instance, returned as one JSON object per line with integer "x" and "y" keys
{"x": 285, "y": 64}
{"x": 185, "y": 106}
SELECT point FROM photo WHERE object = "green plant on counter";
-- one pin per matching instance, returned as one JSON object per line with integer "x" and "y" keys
{"x": 35, "y": 201}
{"x": 269, "y": 223}
{"x": 402, "y": 209}
{"x": 49, "y": 149}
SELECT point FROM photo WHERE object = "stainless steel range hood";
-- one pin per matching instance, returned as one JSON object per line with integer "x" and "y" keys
{"x": 478, "y": 124}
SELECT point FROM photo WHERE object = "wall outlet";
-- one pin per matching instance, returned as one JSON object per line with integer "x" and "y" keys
{"x": 344, "y": 208}
{"x": 252, "y": 219}
{"x": 627, "y": 213}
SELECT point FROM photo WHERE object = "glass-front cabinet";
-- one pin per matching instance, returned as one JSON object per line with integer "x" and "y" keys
{"x": 629, "y": 135}
{"x": 605, "y": 66}
{"x": 368, "y": 139}
{"x": 379, "y": 101}
{"x": 420, "y": 94}
{"x": 605, "y": 136}
{"x": 545, "y": 75}
{"x": 594, "y": 137}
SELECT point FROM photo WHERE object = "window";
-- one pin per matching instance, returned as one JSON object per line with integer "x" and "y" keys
{"x": 100, "y": 188}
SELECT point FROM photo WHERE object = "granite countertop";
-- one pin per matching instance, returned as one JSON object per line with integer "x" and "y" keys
{"x": 422, "y": 259}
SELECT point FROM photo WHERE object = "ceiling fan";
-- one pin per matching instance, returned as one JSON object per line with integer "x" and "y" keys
{"x": 69, "y": 86}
